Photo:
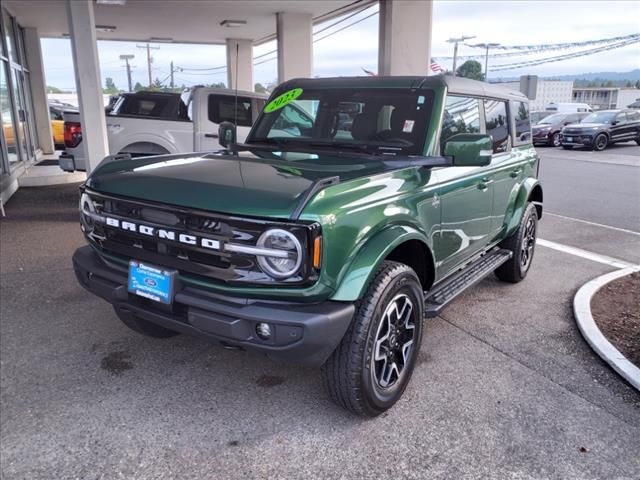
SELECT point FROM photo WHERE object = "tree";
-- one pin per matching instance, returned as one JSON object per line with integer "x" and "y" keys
{"x": 157, "y": 84}
{"x": 138, "y": 87}
{"x": 218, "y": 85}
{"x": 110, "y": 87}
{"x": 54, "y": 90}
{"x": 638, "y": 84}
{"x": 629, "y": 84}
{"x": 259, "y": 88}
{"x": 470, "y": 69}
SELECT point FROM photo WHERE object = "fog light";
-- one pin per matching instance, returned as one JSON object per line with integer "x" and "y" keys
{"x": 263, "y": 330}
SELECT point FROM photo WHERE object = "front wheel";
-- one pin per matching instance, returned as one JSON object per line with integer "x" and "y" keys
{"x": 567, "y": 147}
{"x": 555, "y": 140}
{"x": 600, "y": 142}
{"x": 522, "y": 245}
{"x": 372, "y": 365}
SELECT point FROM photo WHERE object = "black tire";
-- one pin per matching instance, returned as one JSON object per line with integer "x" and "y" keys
{"x": 567, "y": 147}
{"x": 600, "y": 142}
{"x": 516, "y": 269}
{"x": 555, "y": 141}
{"x": 144, "y": 327}
{"x": 638, "y": 141}
{"x": 352, "y": 375}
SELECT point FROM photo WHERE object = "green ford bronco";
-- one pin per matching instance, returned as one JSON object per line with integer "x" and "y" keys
{"x": 356, "y": 208}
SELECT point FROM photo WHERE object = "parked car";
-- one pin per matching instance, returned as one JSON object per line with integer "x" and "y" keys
{"x": 321, "y": 244}
{"x": 600, "y": 129}
{"x": 547, "y": 130}
{"x": 56, "y": 113}
{"x": 562, "y": 107}
{"x": 156, "y": 123}
{"x": 536, "y": 116}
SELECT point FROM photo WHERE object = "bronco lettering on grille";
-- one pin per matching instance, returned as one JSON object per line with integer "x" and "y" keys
{"x": 185, "y": 238}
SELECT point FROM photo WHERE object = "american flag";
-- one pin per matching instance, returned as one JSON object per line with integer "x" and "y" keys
{"x": 436, "y": 68}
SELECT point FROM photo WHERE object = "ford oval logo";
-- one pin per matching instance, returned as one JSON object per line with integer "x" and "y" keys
{"x": 151, "y": 282}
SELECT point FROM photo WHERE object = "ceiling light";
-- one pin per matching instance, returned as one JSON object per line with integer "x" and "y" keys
{"x": 105, "y": 28}
{"x": 233, "y": 23}
{"x": 111, "y": 2}
{"x": 161, "y": 39}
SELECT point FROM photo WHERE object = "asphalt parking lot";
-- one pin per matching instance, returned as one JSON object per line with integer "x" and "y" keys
{"x": 506, "y": 386}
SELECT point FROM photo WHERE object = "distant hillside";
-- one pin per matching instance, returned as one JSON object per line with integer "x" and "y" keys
{"x": 619, "y": 79}
{"x": 633, "y": 75}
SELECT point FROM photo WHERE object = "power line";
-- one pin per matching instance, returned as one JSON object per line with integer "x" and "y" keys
{"x": 559, "y": 58}
{"x": 566, "y": 44}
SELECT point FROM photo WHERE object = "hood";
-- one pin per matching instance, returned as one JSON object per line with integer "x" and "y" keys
{"x": 257, "y": 184}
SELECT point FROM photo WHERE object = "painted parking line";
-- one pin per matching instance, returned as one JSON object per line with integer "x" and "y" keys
{"x": 624, "y": 230}
{"x": 578, "y": 252}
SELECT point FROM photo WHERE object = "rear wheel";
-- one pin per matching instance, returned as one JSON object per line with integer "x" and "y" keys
{"x": 555, "y": 139}
{"x": 600, "y": 142}
{"x": 522, "y": 244}
{"x": 372, "y": 365}
{"x": 144, "y": 327}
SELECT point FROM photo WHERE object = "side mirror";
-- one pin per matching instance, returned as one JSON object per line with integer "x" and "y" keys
{"x": 469, "y": 149}
{"x": 226, "y": 134}
{"x": 615, "y": 122}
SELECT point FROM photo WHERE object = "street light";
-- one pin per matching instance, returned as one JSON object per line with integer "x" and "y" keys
{"x": 455, "y": 49}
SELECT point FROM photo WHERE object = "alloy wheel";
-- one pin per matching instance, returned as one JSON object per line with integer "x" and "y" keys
{"x": 528, "y": 244}
{"x": 393, "y": 346}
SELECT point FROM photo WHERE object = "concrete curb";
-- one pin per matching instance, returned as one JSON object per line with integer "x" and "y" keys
{"x": 593, "y": 335}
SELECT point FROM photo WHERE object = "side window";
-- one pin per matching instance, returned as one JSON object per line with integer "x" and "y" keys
{"x": 55, "y": 114}
{"x": 621, "y": 118}
{"x": 497, "y": 124}
{"x": 633, "y": 116}
{"x": 523, "y": 122}
{"x": 222, "y": 108}
{"x": 461, "y": 115}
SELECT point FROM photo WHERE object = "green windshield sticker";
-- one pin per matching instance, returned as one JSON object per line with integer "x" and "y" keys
{"x": 281, "y": 100}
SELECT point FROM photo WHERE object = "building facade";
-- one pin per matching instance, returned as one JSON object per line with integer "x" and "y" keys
{"x": 18, "y": 135}
{"x": 603, "y": 98}
{"x": 547, "y": 91}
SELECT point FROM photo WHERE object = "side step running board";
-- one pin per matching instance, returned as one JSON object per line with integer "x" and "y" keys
{"x": 439, "y": 297}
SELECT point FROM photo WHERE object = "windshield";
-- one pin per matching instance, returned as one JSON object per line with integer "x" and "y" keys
{"x": 551, "y": 119}
{"x": 601, "y": 117}
{"x": 381, "y": 121}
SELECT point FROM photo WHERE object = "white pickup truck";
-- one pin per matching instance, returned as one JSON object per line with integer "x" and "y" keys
{"x": 156, "y": 123}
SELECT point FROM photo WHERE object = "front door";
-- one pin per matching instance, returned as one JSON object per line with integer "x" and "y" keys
{"x": 466, "y": 196}
{"x": 465, "y": 193}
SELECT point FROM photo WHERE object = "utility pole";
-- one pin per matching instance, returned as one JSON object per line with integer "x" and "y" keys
{"x": 487, "y": 46}
{"x": 455, "y": 42}
{"x": 149, "y": 60}
{"x": 171, "y": 83}
{"x": 126, "y": 58}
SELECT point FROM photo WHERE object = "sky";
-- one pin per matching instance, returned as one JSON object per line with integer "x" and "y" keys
{"x": 523, "y": 22}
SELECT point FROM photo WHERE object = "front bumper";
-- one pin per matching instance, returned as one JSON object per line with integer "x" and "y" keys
{"x": 303, "y": 333}
{"x": 576, "y": 139}
{"x": 541, "y": 137}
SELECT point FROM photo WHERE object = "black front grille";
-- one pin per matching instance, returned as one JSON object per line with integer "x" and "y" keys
{"x": 217, "y": 264}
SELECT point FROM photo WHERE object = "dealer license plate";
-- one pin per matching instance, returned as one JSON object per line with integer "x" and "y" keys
{"x": 152, "y": 282}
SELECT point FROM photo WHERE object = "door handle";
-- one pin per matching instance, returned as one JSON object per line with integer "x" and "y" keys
{"x": 484, "y": 184}
{"x": 211, "y": 135}
{"x": 515, "y": 173}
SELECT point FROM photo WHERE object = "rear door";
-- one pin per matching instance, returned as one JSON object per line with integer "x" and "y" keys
{"x": 215, "y": 108}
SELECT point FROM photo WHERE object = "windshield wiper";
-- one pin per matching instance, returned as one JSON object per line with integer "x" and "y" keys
{"x": 351, "y": 146}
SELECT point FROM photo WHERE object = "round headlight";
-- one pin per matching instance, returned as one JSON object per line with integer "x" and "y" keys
{"x": 287, "y": 253}
{"x": 87, "y": 209}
